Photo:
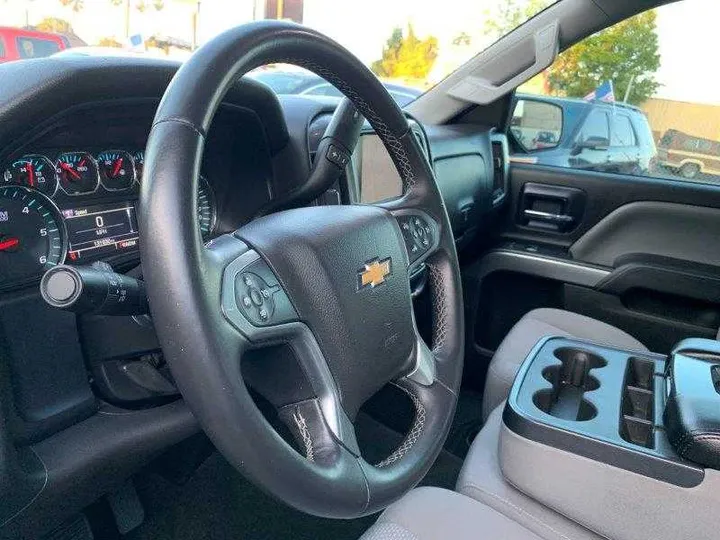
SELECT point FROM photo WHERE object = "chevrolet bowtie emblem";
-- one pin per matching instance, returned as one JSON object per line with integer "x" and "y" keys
{"x": 374, "y": 273}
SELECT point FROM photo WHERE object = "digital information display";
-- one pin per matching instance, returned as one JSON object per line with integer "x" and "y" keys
{"x": 379, "y": 179}
{"x": 101, "y": 231}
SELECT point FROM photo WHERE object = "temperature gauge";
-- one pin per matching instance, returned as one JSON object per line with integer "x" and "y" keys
{"x": 117, "y": 171}
{"x": 78, "y": 173}
{"x": 33, "y": 171}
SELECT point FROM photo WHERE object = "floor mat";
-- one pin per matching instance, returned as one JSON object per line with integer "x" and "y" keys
{"x": 218, "y": 503}
{"x": 466, "y": 424}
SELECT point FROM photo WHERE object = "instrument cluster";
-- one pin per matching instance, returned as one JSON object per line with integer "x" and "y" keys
{"x": 78, "y": 208}
{"x": 77, "y": 173}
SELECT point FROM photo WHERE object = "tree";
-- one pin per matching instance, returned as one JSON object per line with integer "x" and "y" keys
{"x": 54, "y": 25}
{"x": 509, "y": 14}
{"x": 75, "y": 5}
{"x": 463, "y": 39}
{"x": 109, "y": 42}
{"x": 625, "y": 52}
{"x": 406, "y": 56}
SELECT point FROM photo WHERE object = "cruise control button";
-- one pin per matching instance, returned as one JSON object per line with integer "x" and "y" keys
{"x": 256, "y": 297}
{"x": 247, "y": 302}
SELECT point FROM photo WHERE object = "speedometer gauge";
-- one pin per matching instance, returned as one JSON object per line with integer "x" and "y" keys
{"x": 32, "y": 234}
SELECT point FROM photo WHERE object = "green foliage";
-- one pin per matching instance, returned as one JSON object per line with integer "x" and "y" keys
{"x": 509, "y": 14}
{"x": 406, "y": 56}
{"x": 463, "y": 39}
{"x": 620, "y": 53}
{"x": 75, "y": 5}
{"x": 54, "y": 25}
{"x": 109, "y": 42}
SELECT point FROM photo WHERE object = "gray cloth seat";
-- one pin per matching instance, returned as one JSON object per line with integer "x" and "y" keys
{"x": 534, "y": 326}
{"x": 438, "y": 514}
{"x": 481, "y": 478}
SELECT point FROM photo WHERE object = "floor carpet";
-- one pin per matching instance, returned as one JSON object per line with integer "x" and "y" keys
{"x": 217, "y": 503}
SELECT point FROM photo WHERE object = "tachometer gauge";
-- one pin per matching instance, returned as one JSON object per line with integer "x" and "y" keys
{"x": 78, "y": 173}
{"x": 117, "y": 171}
{"x": 33, "y": 171}
{"x": 206, "y": 209}
{"x": 32, "y": 234}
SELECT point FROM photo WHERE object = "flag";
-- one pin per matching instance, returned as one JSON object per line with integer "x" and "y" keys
{"x": 136, "y": 42}
{"x": 604, "y": 92}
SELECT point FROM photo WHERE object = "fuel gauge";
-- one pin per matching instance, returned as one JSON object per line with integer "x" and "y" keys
{"x": 33, "y": 171}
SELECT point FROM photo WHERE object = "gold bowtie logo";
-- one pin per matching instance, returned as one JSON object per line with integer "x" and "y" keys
{"x": 374, "y": 273}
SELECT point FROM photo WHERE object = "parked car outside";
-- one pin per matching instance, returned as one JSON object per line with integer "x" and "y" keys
{"x": 21, "y": 44}
{"x": 309, "y": 84}
{"x": 590, "y": 135}
{"x": 687, "y": 155}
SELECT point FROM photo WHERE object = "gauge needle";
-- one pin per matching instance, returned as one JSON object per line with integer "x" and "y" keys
{"x": 31, "y": 174}
{"x": 68, "y": 169}
{"x": 116, "y": 169}
{"x": 9, "y": 244}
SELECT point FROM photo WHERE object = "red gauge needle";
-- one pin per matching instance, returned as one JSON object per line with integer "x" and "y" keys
{"x": 68, "y": 169}
{"x": 9, "y": 244}
{"x": 31, "y": 174}
{"x": 117, "y": 167}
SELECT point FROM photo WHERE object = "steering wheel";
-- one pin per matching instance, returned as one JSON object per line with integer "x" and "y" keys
{"x": 332, "y": 283}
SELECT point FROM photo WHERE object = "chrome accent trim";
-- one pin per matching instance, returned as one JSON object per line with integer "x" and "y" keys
{"x": 558, "y": 269}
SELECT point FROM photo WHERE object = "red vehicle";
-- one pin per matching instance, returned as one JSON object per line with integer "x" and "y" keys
{"x": 21, "y": 44}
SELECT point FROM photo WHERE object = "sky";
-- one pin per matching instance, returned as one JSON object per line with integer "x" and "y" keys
{"x": 686, "y": 30}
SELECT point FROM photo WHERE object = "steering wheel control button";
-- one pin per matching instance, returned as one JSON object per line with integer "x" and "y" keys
{"x": 256, "y": 297}
{"x": 337, "y": 156}
{"x": 418, "y": 234}
{"x": 252, "y": 295}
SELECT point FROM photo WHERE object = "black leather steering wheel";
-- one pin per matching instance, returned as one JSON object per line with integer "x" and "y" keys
{"x": 332, "y": 282}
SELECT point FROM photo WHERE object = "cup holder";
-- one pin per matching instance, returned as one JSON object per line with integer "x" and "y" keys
{"x": 570, "y": 380}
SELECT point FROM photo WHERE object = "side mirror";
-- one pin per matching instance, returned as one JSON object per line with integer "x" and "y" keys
{"x": 591, "y": 143}
{"x": 536, "y": 124}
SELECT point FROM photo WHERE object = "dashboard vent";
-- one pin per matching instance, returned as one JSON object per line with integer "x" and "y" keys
{"x": 499, "y": 163}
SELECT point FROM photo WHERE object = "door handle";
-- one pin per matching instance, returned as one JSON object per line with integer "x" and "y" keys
{"x": 559, "y": 219}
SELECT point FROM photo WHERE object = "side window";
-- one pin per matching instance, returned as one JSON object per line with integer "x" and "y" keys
{"x": 325, "y": 90}
{"x": 658, "y": 111}
{"x": 2, "y": 48}
{"x": 36, "y": 48}
{"x": 596, "y": 127}
{"x": 622, "y": 131}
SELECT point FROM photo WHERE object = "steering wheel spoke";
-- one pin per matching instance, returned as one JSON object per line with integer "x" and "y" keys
{"x": 254, "y": 301}
{"x": 316, "y": 439}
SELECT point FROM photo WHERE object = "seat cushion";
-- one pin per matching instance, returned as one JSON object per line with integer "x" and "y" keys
{"x": 534, "y": 326}
{"x": 481, "y": 479}
{"x": 438, "y": 514}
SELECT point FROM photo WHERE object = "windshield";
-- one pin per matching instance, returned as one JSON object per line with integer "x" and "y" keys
{"x": 410, "y": 45}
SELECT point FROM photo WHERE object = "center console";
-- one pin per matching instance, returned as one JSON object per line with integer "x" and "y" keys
{"x": 616, "y": 439}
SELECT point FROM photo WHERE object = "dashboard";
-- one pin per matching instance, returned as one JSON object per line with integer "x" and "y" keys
{"x": 72, "y": 133}
{"x": 71, "y": 196}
